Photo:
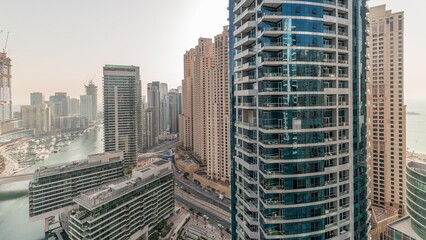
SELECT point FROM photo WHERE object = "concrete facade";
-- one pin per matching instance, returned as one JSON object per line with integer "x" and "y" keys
{"x": 186, "y": 119}
{"x": 86, "y": 104}
{"x": 37, "y": 117}
{"x": 127, "y": 208}
{"x": 204, "y": 60}
{"x": 386, "y": 109}
{"x": 218, "y": 112}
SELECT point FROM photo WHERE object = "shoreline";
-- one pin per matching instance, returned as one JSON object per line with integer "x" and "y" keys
{"x": 12, "y": 165}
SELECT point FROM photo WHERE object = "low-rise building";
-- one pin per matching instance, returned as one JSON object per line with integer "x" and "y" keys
{"x": 126, "y": 209}
{"x": 52, "y": 190}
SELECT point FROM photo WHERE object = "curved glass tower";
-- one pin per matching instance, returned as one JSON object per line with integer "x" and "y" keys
{"x": 416, "y": 196}
{"x": 299, "y": 125}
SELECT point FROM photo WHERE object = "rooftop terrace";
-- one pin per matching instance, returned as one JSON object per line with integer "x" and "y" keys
{"x": 93, "y": 160}
{"x": 100, "y": 195}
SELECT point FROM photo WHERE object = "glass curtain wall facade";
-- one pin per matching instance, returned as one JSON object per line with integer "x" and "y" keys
{"x": 299, "y": 126}
{"x": 416, "y": 197}
{"x": 122, "y": 111}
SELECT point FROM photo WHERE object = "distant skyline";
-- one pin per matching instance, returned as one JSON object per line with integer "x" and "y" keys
{"x": 58, "y": 46}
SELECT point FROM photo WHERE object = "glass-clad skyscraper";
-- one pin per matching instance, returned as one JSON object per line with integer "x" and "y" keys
{"x": 122, "y": 111}
{"x": 299, "y": 122}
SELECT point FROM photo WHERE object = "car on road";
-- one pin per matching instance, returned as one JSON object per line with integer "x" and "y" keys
{"x": 206, "y": 217}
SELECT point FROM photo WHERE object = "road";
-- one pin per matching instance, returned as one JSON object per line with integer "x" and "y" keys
{"x": 11, "y": 165}
{"x": 215, "y": 214}
{"x": 197, "y": 191}
{"x": 163, "y": 146}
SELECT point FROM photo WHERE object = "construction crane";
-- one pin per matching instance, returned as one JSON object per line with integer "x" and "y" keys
{"x": 5, "y": 45}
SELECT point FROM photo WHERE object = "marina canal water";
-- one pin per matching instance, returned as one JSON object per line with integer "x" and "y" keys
{"x": 14, "y": 224}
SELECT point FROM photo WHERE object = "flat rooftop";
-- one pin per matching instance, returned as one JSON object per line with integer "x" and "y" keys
{"x": 381, "y": 213}
{"x": 418, "y": 166}
{"x": 102, "y": 194}
{"x": 403, "y": 225}
{"x": 92, "y": 160}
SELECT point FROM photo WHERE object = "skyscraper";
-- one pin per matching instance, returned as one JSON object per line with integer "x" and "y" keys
{"x": 154, "y": 103}
{"x": 37, "y": 117}
{"x": 86, "y": 107}
{"x": 37, "y": 98}
{"x": 122, "y": 110}
{"x": 174, "y": 100}
{"x": 204, "y": 60}
{"x": 147, "y": 138}
{"x": 186, "y": 120}
{"x": 387, "y": 112}
{"x": 5, "y": 87}
{"x": 60, "y": 99}
{"x": 298, "y": 73}
{"x": 92, "y": 90}
{"x": 75, "y": 106}
{"x": 218, "y": 112}
{"x": 164, "y": 108}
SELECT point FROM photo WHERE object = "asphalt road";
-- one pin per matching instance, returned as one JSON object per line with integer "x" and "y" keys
{"x": 202, "y": 210}
{"x": 198, "y": 192}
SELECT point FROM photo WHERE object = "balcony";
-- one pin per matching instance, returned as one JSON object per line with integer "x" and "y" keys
{"x": 242, "y": 3}
{"x": 245, "y": 28}
{"x": 272, "y": 76}
{"x": 246, "y": 53}
{"x": 245, "y": 67}
{"x": 245, "y": 15}
{"x": 246, "y": 79}
{"x": 247, "y": 40}
{"x": 342, "y": 33}
{"x": 342, "y": 5}
{"x": 249, "y": 192}
{"x": 249, "y": 125}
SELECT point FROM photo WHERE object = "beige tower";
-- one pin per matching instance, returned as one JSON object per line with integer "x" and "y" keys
{"x": 204, "y": 60}
{"x": 218, "y": 112}
{"x": 186, "y": 120}
{"x": 386, "y": 108}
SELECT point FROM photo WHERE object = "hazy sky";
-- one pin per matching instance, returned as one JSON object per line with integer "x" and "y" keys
{"x": 60, "y": 45}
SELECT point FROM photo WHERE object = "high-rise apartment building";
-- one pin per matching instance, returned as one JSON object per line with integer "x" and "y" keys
{"x": 52, "y": 190}
{"x": 164, "y": 108}
{"x": 204, "y": 60}
{"x": 126, "y": 209}
{"x": 147, "y": 137}
{"x": 386, "y": 108}
{"x": 299, "y": 147}
{"x": 174, "y": 101}
{"x": 154, "y": 103}
{"x": 60, "y": 99}
{"x": 86, "y": 104}
{"x": 218, "y": 112}
{"x": 186, "y": 119}
{"x": 5, "y": 87}
{"x": 92, "y": 90}
{"x": 75, "y": 106}
{"x": 37, "y": 117}
{"x": 37, "y": 98}
{"x": 122, "y": 111}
